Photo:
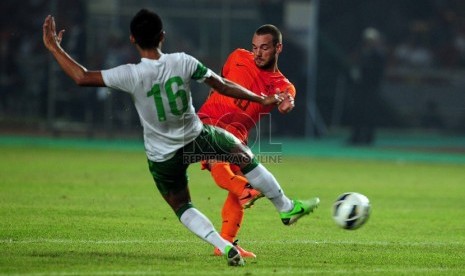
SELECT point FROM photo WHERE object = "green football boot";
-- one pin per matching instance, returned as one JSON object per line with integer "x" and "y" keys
{"x": 301, "y": 208}
{"x": 233, "y": 257}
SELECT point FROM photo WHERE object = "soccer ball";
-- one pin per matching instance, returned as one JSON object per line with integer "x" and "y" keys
{"x": 351, "y": 210}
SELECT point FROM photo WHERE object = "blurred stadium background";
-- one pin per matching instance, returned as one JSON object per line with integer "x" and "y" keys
{"x": 421, "y": 89}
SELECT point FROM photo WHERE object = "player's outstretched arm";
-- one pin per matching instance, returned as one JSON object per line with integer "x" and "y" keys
{"x": 72, "y": 68}
{"x": 234, "y": 90}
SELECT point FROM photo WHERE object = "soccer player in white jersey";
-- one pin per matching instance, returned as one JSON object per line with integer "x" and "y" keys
{"x": 174, "y": 137}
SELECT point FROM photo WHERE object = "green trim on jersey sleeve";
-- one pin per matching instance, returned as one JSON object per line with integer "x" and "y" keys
{"x": 199, "y": 72}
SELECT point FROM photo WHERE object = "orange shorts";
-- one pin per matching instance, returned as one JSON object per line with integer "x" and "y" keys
{"x": 204, "y": 165}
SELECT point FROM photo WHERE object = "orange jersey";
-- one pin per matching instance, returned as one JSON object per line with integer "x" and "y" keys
{"x": 239, "y": 116}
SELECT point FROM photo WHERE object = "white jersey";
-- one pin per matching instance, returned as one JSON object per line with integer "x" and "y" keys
{"x": 162, "y": 96}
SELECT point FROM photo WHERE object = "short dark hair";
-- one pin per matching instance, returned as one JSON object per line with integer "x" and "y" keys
{"x": 271, "y": 30}
{"x": 146, "y": 27}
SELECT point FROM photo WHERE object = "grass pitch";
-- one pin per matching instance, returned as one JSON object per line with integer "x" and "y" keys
{"x": 95, "y": 211}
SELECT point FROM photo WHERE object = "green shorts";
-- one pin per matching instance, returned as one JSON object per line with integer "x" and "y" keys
{"x": 212, "y": 143}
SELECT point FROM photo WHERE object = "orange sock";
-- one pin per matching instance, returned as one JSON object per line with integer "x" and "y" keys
{"x": 227, "y": 179}
{"x": 232, "y": 215}
{"x": 232, "y": 212}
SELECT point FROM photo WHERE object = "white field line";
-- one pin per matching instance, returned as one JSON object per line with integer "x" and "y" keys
{"x": 368, "y": 243}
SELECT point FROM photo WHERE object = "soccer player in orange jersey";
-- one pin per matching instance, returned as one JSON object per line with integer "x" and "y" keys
{"x": 257, "y": 71}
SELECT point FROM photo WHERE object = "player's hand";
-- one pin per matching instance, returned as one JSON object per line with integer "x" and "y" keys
{"x": 272, "y": 99}
{"x": 51, "y": 40}
{"x": 287, "y": 104}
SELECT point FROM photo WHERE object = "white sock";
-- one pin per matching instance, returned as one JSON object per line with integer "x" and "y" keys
{"x": 200, "y": 225}
{"x": 261, "y": 179}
